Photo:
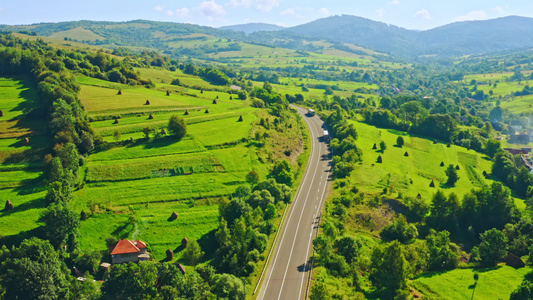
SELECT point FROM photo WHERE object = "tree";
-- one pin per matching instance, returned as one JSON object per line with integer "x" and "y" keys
{"x": 117, "y": 135}
{"x": 400, "y": 230}
{"x": 228, "y": 286}
{"x": 252, "y": 177}
{"x": 523, "y": 292}
{"x": 282, "y": 172}
{"x": 451, "y": 172}
{"x": 493, "y": 247}
{"x": 131, "y": 281}
{"x": 61, "y": 225}
{"x": 492, "y": 147}
{"x": 193, "y": 253}
{"x": 389, "y": 269}
{"x": 147, "y": 130}
{"x": 348, "y": 247}
{"x": 177, "y": 126}
{"x": 34, "y": 270}
{"x": 443, "y": 255}
{"x": 399, "y": 141}
{"x": 382, "y": 146}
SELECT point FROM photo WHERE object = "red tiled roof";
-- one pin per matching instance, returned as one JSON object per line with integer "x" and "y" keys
{"x": 125, "y": 246}
{"x": 140, "y": 244}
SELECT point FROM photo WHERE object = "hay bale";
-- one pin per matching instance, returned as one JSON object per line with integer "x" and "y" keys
{"x": 182, "y": 269}
{"x": 457, "y": 167}
{"x": 83, "y": 215}
{"x": 186, "y": 112}
{"x": 9, "y": 205}
{"x": 419, "y": 196}
{"x": 215, "y": 101}
{"x": 216, "y": 97}
{"x": 26, "y": 141}
{"x": 170, "y": 255}
{"x": 206, "y": 111}
{"x": 116, "y": 121}
{"x": 432, "y": 184}
{"x": 375, "y": 146}
{"x": 449, "y": 145}
{"x": 201, "y": 91}
{"x": 435, "y": 142}
{"x": 485, "y": 174}
{"x": 184, "y": 242}
{"x": 173, "y": 216}
{"x": 1, "y": 113}
{"x": 442, "y": 164}
{"x": 150, "y": 117}
{"x": 380, "y": 160}
{"x": 240, "y": 119}
{"x": 230, "y": 97}
{"x": 147, "y": 102}
{"x": 119, "y": 92}
{"x": 168, "y": 93}
{"x": 406, "y": 153}
{"x": 163, "y": 131}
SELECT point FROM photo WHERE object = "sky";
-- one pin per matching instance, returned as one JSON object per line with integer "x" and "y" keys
{"x": 410, "y": 14}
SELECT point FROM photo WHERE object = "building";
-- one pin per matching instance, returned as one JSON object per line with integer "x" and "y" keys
{"x": 129, "y": 251}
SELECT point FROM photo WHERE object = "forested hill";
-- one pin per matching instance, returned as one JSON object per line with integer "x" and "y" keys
{"x": 253, "y": 27}
{"x": 456, "y": 39}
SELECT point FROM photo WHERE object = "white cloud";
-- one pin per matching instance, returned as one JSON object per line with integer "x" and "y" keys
{"x": 423, "y": 14}
{"x": 237, "y": 3}
{"x": 169, "y": 13}
{"x": 266, "y": 5}
{"x": 159, "y": 7}
{"x": 211, "y": 9}
{"x": 499, "y": 10}
{"x": 289, "y": 12}
{"x": 324, "y": 12}
{"x": 1, "y": 9}
{"x": 395, "y": 2}
{"x": 380, "y": 12}
{"x": 473, "y": 15}
{"x": 182, "y": 13}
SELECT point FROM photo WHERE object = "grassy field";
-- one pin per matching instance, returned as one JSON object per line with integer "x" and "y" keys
{"x": 20, "y": 163}
{"x": 410, "y": 175}
{"x": 132, "y": 189}
{"x": 494, "y": 283}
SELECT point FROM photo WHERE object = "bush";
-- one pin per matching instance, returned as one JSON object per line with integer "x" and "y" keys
{"x": 177, "y": 126}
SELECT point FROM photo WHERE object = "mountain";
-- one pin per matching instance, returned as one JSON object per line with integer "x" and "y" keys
{"x": 252, "y": 27}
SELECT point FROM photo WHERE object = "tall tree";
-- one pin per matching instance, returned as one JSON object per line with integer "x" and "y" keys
{"x": 389, "y": 269}
{"x": 131, "y": 281}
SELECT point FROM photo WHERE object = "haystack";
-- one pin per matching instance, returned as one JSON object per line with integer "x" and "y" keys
{"x": 374, "y": 147}
{"x": 83, "y": 215}
{"x": 173, "y": 216}
{"x": 170, "y": 255}
{"x": 435, "y": 142}
{"x": 119, "y": 92}
{"x": 116, "y": 121}
{"x": 380, "y": 160}
{"x": 9, "y": 205}
{"x": 432, "y": 184}
{"x": 150, "y": 117}
{"x": 201, "y": 91}
{"x": 184, "y": 242}
{"x": 215, "y": 101}
{"x": 230, "y": 97}
{"x": 147, "y": 102}
{"x": 206, "y": 111}
{"x": 1, "y": 113}
{"x": 485, "y": 174}
{"x": 457, "y": 167}
{"x": 419, "y": 196}
{"x": 406, "y": 153}
{"x": 449, "y": 145}
{"x": 186, "y": 113}
{"x": 163, "y": 131}
{"x": 216, "y": 97}
{"x": 168, "y": 93}
{"x": 442, "y": 164}
{"x": 240, "y": 119}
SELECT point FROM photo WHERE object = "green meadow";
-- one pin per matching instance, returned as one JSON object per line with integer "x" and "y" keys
{"x": 132, "y": 188}
{"x": 410, "y": 175}
{"x": 20, "y": 163}
{"x": 493, "y": 283}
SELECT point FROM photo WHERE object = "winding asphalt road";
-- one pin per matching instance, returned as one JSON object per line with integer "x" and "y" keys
{"x": 289, "y": 268}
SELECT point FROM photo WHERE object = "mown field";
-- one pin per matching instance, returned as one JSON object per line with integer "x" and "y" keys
{"x": 494, "y": 283}
{"x": 132, "y": 188}
{"x": 21, "y": 164}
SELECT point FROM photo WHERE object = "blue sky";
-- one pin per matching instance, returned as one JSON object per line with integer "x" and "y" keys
{"x": 411, "y": 14}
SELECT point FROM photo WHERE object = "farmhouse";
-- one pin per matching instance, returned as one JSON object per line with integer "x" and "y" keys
{"x": 129, "y": 251}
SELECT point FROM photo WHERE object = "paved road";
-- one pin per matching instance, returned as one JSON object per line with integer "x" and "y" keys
{"x": 288, "y": 271}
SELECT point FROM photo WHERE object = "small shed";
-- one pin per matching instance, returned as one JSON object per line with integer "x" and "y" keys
{"x": 514, "y": 261}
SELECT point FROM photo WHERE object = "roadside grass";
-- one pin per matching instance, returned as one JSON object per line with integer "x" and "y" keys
{"x": 413, "y": 174}
{"x": 493, "y": 283}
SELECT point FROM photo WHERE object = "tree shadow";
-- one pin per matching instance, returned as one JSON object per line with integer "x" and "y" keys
{"x": 305, "y": 266}
{"x": 208, "y": 243}
{"x": 32, "y": 204}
